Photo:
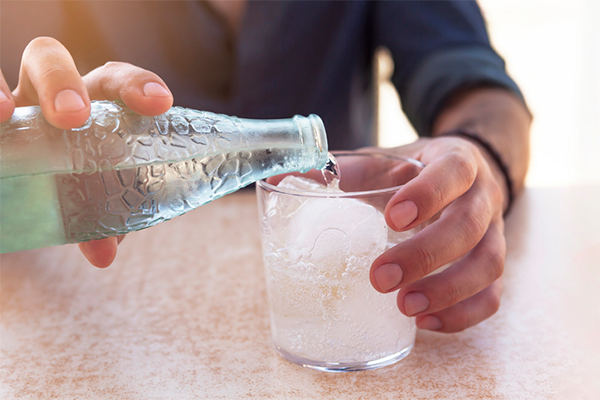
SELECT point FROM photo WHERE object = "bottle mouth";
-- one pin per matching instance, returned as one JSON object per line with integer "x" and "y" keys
{"x": 313, "y": 138}
{"x": 318, "y": 129}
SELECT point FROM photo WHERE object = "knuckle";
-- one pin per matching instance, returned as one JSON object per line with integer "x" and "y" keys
{"x": 461, "y": 322}
{"x": 495, "y": 261}
{"x": 493, "y": 303}
{"x": 437, "y": 195}
{"x": 44, "y": 49}
{"x": 113, "y": 66}
{"x": 426, "y": 260}
{"x": 56, "y": 72}
{"x": 107, "y": 78}
{"x": 41, "y": 42}
{"x": 497, "y": 194}
{"x": 475, "y": 224}
{"x": 463, "y": 166}
{"x": 121, "y": 71}
{"x": 452, "y": 293}
{"x": 45, "y": 59}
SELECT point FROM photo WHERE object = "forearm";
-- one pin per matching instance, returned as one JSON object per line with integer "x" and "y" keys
{"x": 498, "y": 117}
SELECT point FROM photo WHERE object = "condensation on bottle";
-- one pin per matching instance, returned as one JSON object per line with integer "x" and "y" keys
{"x": 122, "y": 172}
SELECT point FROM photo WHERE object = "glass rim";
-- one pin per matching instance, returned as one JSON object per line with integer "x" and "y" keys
{"x": 356, "y": 194}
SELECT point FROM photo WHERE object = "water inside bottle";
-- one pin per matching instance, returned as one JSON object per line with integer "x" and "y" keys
{"x": 74, "y": 207}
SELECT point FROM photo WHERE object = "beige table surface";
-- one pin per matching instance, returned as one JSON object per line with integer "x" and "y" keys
{"x": 182, "y": 314}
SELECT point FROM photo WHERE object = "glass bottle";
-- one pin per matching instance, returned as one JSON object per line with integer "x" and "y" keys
{"x": 123, "y": 172}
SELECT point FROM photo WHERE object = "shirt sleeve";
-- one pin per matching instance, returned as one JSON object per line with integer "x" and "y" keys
{"x": 437, "y": 47}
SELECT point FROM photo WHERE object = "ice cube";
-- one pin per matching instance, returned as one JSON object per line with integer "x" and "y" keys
{"x": 330, "y": 229}
{"x": 284, "y": 206}
{"x": 303, "y": 184}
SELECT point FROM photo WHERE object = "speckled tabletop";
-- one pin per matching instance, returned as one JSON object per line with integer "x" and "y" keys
{"x": 182, "y": 314}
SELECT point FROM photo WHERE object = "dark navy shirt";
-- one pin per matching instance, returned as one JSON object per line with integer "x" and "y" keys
{"x": 291, "y": 57}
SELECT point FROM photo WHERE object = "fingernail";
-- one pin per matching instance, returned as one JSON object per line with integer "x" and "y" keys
{"x": 68, "y": 101}
{"x": 415, "y": 303}
{"x": 153, "y": 89}
{"x": 3, "y": 97}
{"x": 100, "y": 253}
{"x": 388, "y": 276}
{"x": 403, "y": 214}
{"x": 430, "y": 323}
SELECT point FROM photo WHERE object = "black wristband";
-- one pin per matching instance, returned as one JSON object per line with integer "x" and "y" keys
{"x": 495, "y": 156}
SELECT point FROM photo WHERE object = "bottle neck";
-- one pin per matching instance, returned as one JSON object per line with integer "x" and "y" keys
{"x": 302, "y": 133}
{"x": 312, "y": 130}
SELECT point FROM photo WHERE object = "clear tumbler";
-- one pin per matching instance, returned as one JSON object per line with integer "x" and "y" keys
{"x": 318, "y": 247}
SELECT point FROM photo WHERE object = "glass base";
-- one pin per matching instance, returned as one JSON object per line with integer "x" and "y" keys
{"x": 345, "y": 367}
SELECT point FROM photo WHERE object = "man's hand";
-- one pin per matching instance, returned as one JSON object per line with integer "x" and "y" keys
{"x": 463, "y": 187}
{"x": 49, "y": 77}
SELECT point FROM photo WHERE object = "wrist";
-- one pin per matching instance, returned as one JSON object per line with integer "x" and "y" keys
{"x": 501, "y": 120}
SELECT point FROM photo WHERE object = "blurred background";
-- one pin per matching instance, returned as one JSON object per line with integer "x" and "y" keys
{"x": 552, "y": 50}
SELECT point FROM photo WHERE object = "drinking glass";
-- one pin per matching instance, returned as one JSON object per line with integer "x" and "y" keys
{"x": 318, "y": 247}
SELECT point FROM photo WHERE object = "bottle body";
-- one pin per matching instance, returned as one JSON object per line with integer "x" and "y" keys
{"x": 123, "y": 172}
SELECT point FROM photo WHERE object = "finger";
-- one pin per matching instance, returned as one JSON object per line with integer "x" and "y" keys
{"x": 451, "y": 168}
{"x": 465, "y": 278}
{"x": 48, "y": 77}
{"x": 7, "y": 103}
{"x": 142, "y": 91}
{"x": 465, "y": 314}
{"x": 458, "y": 230}
{"x": 100, "y": 253}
